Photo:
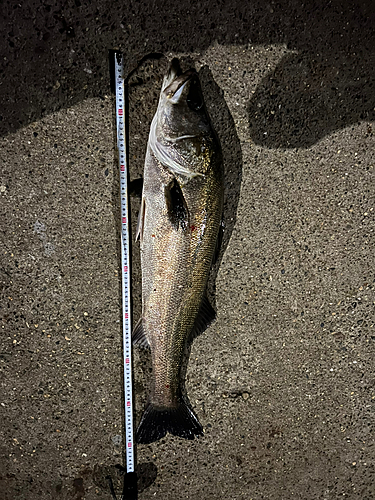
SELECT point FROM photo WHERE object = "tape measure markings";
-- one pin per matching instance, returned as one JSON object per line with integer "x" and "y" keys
{"x": 125, "y": 259}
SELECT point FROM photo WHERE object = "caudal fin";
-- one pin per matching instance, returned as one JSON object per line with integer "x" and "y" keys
{"x": 156, "y": 422}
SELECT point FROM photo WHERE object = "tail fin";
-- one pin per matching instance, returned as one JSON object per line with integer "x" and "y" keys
{"x": 157, "y": 421}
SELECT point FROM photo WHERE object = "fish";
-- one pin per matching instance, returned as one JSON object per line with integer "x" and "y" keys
{"x": 178, "y": 226}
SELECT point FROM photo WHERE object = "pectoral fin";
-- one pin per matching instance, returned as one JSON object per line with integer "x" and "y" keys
{"x": 176, "y": 205}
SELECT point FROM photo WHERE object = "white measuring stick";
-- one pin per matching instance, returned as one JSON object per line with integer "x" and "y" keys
{"x": 125, "y": 262}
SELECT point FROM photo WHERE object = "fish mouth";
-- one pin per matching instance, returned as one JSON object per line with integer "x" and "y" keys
{"x": 175, "y": 89}
{"x": 173, "y": 72}
{"x": 183, "y": 86}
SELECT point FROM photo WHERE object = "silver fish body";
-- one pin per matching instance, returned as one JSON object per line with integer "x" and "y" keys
{"x": 178, "y": 226}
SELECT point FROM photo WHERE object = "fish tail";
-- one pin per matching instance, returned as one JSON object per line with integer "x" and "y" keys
{"x": 157, "y": 421}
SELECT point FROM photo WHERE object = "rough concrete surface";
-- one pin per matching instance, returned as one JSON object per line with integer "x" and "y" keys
{"x": 283, "y": 380}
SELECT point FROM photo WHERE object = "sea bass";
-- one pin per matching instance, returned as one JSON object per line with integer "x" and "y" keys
{"x": 178, "y": 225}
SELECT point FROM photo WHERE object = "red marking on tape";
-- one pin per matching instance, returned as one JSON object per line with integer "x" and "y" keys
{"x": 122, "y": 167}
{"x": 127, "y": 361}
{"x": 120, "y": 112}
{"x": 128, "y": 403}
{"x": 124, "y": 220}
{"x": 125, "y": 269}
{"x": 129, "y": 445}
{"x": 126, "y": 315}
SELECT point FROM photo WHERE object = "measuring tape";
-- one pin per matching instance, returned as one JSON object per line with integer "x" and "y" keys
{"x": 125, "y": 261}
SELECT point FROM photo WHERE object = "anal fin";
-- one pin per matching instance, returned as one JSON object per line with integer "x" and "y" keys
{"x": 139, "y": 336}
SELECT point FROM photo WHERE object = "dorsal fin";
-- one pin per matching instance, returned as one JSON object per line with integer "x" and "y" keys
{"x": 205, "y": 316}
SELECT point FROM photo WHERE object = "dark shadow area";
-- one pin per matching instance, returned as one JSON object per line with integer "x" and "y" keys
{"x": 224, "y": 126}
{"x": 309, "y": 96}
{"x": 146, "y": 475}
{"x": 54, "y": 55}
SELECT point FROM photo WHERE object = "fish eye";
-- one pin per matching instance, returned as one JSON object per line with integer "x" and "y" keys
{"x": 194, "y": 98}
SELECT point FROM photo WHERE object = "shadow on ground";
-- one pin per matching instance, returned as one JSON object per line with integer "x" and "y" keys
{"x": 146, "y": 474}
{"x": 309, "y": 96}
{"x": 53, "y": 56}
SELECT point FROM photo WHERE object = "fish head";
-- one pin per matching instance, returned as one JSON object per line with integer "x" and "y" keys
{"x": 181, "y": 136}
{"x": 181, "y": 110}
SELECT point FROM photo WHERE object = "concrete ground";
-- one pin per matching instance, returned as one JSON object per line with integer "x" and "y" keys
{"x": 283, "y": 380}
